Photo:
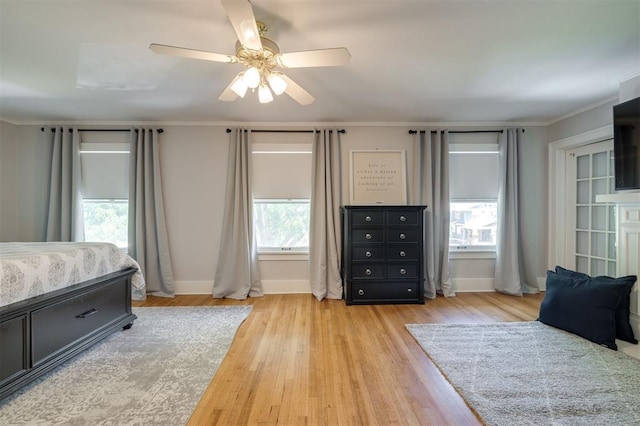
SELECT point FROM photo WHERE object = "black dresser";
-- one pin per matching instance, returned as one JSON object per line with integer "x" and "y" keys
{"x": 382, "y": 254}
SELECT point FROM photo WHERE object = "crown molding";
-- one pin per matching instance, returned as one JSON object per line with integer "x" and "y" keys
{"x": 629, "y": 76}
{"x": 280, "y": 125}
{"x": 581, "y": 110}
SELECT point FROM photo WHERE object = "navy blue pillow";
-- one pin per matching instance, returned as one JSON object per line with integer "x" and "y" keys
{"x": 583, "y": 307}
{"x": 623, "y": 327}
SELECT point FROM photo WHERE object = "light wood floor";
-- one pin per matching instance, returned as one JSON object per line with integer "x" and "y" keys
{"x": 297, "y": 361}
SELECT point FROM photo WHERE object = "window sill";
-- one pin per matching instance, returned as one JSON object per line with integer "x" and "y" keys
{"x": 472, "y": 254}
{"x": 283, "y": 256}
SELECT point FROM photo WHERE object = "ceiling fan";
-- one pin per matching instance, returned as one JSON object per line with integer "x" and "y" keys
{"x": 261, "y": 57}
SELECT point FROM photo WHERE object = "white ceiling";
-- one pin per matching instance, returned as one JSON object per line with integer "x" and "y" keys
{"x": 412, "y": 60}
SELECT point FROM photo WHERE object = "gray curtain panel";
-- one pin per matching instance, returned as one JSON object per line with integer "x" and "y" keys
{"x": 431, "y": 188}
{"x": 64, "y": 217}
{"x": 510, "y": 270}
{"x": 237, "y": 274}
{"x": 148, "y": 239}
{"x": 325, "y": 232}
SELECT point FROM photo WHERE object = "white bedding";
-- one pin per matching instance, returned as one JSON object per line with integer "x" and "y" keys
{"x": 32, "y": 269}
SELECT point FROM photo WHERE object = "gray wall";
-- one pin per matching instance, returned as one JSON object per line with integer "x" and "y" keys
{"x": 591, "y": 119}
{"x": 193, "y": 160}
{"x": 630, "y": 89}
{"x": 24, "y": 172}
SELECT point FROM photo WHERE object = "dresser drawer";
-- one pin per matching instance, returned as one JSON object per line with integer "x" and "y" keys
{"x": 55, "y": 327}
{"x": 368, "y": 270}
{"x": 367, "y": 236}
{"x": 362, "y": 218}
{"x": 381, "y": 292}
{"x": 367, "y": 253}
{"x": 402, "y": 252}
{"x": 402, "y": 217}
{"x": 402, "y": 235}
{"x": 402, "y": 270}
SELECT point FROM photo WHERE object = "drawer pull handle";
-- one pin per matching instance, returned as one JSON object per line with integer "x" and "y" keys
{"x": 403, "y": 219}
{"x": 402, "y": 236}
{"x": 90, "y": 312}
{"x": 409, "y": 290}
{"x": 402, "y": 253}
{"x": 367, "y": 271}
{"x": 361, "y": 292}
{"x": 368, "y": 236}
{"x": 368, "y": 254}
{"x": 368, "y": 218}
{"x": 403, "y": 271}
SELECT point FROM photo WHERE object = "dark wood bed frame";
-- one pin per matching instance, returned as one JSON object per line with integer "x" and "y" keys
{"x": 40, "y": 333}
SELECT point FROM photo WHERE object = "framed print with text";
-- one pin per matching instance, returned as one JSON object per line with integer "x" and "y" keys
{"x": 377, "y": 177}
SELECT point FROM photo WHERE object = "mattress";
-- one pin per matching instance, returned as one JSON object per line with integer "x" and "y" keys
{"x": 32, "y": 269}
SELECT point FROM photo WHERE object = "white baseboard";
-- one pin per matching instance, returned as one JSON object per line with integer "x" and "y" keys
{"x": 542, "y": 283}
{"x": 634, "y": 320}
{"x": 462, "y": 285}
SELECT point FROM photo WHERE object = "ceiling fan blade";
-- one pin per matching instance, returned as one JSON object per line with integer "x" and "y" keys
{"x": 244, "y": 23}
{"x": 334, "y": 57}
{"x": 229, "y": 94}
{"x": 296, "y": 92}
{"x": 191, "y": 53}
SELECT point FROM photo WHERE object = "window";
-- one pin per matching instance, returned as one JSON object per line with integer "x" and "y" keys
{"x": 282, "y": 225}
{"x": 106, "y": 220}
{"x": 473, "y": 185}
{"x": 282, "y": 191}
{"x": 105, "y": 186}
{"x": 473, "y": 225}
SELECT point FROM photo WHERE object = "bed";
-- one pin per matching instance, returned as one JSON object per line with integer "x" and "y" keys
{"x": 57, "y": 299}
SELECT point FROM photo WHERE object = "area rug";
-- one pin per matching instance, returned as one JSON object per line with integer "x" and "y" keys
{"x": 153, "y": 374}
{"x": 528, "y": 373}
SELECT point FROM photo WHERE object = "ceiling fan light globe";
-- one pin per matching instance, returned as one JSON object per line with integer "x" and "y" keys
{"x": 252, "y": 77}
{"x": 277, "y": 83}
{"x": 264, "y": 94}
{"x": 239, "y": 87}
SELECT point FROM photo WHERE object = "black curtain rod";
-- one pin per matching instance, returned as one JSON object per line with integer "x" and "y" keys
{"x": 413, "y": 132}
{"x": 102, "y": 130}
{"x": 287, "y": 131}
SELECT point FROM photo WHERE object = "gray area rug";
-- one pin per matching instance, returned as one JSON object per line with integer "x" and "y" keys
{"x": 153, "y": 374}
{"x": 528, "y": 373}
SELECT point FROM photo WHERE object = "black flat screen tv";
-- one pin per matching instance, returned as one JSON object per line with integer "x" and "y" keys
{"x": 626, "y": 144}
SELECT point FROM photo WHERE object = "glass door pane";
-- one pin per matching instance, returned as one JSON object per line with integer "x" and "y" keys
{"x": 592, "y": 224}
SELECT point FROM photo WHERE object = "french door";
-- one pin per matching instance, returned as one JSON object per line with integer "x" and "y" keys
{"x": 590, "y": 225}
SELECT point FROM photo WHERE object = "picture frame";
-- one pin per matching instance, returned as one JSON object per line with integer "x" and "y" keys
{"x": 377, "y": 177}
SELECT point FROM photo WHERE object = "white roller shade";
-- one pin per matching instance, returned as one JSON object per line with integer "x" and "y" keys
{"x": 473, "y": 175}
{"x": 105, "y": 167}
{"x": 282, "y": 166}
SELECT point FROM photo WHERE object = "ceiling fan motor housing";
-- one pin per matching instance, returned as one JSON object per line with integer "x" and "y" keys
{"x": 264, "y": 60}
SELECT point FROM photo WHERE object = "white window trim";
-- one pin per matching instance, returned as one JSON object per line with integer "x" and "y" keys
{"x": 472, "y": 254}
{"x": 283, "y": 256}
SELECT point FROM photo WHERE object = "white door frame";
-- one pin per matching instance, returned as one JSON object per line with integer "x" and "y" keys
{"x": 556, "y": 238}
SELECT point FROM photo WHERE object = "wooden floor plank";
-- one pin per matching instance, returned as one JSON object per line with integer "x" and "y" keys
{"x": 297, "y": 361}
